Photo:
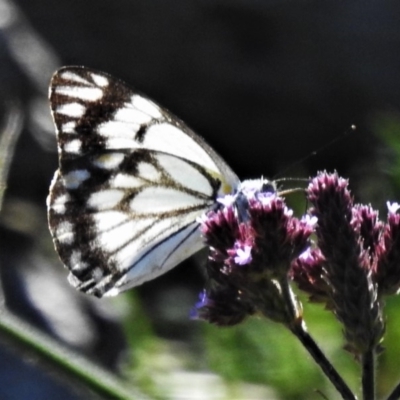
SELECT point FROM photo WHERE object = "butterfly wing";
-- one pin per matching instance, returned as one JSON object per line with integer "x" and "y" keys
{"x": 131, "y": 182}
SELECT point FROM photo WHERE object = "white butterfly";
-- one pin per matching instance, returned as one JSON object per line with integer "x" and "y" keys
{"x": 131, "y": 184}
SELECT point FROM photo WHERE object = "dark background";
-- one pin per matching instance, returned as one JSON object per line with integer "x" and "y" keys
{"x": 264, "y": 82}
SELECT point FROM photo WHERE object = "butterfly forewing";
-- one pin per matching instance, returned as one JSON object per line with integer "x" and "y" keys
{"x": 132, "y": 181}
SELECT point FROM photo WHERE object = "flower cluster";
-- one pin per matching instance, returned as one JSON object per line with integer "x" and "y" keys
{"x": 256, "y": 247}
{"x": 253, "y": 239}
{"x": 256, "y": 244}
{"x": 356, "y": 262}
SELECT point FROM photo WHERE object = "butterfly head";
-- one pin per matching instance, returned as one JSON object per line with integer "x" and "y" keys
{"x": 257, "y": 186}
{"x": 245, "y": 191}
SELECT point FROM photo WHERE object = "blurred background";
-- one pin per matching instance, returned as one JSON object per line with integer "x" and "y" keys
{"x": 265, "y": 83}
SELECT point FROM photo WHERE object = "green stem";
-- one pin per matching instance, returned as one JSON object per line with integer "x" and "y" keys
{"x": 395, "y": 395}
{"x": 308, "y": 342}
{"x": 293, "y": 310}
{"x": 93, "y": 377}
{"x": 368, "y": 375}
{"x": 297, "y": 326}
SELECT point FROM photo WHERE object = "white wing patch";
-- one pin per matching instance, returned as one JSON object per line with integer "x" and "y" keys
{"x": 148, "y": 172}
{"x": 76, "y": 262}
{"x": 58, "y": 204}
{"x": 100, "y": 80}
{"x": 73, "y": 179}
{"x": 165, "y": 137}
{"x": 161, "y": 199}
{"x": 109, "y": 161}
{"x": 74, "y": 146}
{"x": 69, "y": 127}
{"x": 74, "y": 110}
{"x": 89, "y": 93}
{"x": 107, "y": 220}
{"x": 105, "y": 199}
{"x": 114, "y": 130}
{"x": 65, "y": 232}
{"x": 71, "y": 76}
{"x": 111, "y": 239}
{"x": 133, "y": 116}
{"x": 185, "y": 174}
{"x": 125, "y": 181}
{"x": 144, "y": 105}
{"x": 131, "y": 184}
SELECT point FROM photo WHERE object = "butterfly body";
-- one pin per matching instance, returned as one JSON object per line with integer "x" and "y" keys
{"x": 131, "y": 184}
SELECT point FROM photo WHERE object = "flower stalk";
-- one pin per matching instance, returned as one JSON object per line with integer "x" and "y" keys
{"x": 368, "y": 375}
{"x": 319, "y": 357}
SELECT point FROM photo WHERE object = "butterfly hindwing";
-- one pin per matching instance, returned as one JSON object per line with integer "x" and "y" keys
{"x": 132, "y": 181}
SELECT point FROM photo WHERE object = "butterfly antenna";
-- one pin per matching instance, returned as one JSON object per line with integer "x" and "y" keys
{"x": 292, "y": 190}
{"x": 351, "y": 129}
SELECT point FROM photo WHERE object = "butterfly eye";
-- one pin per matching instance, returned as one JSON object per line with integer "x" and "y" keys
{"x": 268, "y": 186}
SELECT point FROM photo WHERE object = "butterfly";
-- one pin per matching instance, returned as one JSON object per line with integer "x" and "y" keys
{"x": 132, "y": 182}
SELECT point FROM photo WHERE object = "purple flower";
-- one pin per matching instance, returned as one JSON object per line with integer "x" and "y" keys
{"x": 307, "y": 271}
{"x": 243, "y": 254}
{"x": 308, "y": 220}
{"x": 392, "y": 207}
{"x": 224, "y": 307}
{"x": 227, "y": 200}
{"x": 387, "y": 263}
{"x": 252, "y": 240}
{"x": 340, "y": 270}
{"x": 365, "y": 220}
